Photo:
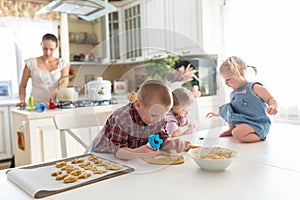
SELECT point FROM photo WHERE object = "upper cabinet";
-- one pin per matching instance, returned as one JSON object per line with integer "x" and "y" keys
{"x": 186, "y": 25}
{"x": 142, "y": 29}
{"x": 85, "y": 41}
{"x": 155, "y": 29}
{"x": 172, "y": 25}
{"x": 125, "y": 33}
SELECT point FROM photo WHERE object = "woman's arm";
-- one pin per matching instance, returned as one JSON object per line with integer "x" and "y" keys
{"x": 23, "y": 85}
{"x": 64, "y": 82}
{"x": 64, "y": 73}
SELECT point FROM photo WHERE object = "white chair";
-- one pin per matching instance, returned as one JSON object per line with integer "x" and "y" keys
{"x": 64, "y": 123}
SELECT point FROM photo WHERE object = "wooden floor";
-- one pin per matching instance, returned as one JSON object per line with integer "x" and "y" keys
{"x": 5, "y": 164}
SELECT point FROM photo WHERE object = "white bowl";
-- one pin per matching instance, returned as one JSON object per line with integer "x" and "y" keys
{"x": 213, "y": 161}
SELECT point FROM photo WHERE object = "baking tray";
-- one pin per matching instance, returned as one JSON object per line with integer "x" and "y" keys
{"x": 36, "y": 180}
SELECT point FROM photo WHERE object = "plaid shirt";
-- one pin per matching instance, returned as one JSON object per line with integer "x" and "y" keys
{"x": 125, "y": 128}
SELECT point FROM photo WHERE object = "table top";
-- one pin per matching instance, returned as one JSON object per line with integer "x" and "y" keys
{"x": 264, "y": 170}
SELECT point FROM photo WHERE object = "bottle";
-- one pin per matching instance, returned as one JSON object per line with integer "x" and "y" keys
{"x": 20, "y": 136}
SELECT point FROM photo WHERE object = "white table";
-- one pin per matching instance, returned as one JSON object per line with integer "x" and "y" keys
{"x": 265, "y": 170}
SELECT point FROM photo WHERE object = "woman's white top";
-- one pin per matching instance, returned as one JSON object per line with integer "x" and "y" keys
{"x": 43, "y": 81}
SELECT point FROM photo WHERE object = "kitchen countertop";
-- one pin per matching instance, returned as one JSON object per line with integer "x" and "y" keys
{"x": 263, "y": 171}
{"x": 51, "y": 113}
{"x": 8, "y": 102}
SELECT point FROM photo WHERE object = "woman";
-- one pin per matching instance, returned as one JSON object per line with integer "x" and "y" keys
{"x": 47, "y": 74}
{"x": 183, "y": 67}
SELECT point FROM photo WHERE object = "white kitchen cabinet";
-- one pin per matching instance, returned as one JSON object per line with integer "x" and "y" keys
{"x": 5, "y": 134}
{"x": 125, "y": 33}
{"x": 172, "y": 25}
{"x": 155, "y": 33}
{"x": 87, "y": 38}
{"x": 42, "y": 139}
{"x": 186, "y": 24}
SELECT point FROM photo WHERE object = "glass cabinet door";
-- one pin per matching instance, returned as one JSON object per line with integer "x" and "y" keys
{"x": 125, "y": 33}
{"x": 133, "y": 32}
{"x": 114, "y": 36}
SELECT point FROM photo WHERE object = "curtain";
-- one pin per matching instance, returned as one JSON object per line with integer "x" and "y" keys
{"x": 265, "y": 34}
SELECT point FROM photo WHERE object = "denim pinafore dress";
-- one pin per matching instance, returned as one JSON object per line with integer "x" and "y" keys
{"x": 247, "y": 107}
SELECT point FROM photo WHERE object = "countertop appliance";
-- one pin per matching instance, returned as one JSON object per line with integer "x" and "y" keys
{"x": 99, "y": 90}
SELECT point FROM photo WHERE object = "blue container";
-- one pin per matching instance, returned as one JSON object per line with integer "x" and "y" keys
{"x": 41, "y": 107}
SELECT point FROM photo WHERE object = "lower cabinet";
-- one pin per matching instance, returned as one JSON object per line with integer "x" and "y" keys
{"x": 39, "y": 140}
{"x": 204, "y": 106}
{"x": 5, "y": 138}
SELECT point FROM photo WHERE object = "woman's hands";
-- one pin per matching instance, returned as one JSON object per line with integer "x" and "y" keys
{"x": 52, "y": 97}
{"x": 21, "y": 104}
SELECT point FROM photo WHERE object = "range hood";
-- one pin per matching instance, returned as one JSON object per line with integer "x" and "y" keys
{"x": 86, "y": 9}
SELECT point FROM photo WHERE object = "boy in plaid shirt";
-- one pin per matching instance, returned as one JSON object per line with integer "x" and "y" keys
{"x": 127, "y": 130}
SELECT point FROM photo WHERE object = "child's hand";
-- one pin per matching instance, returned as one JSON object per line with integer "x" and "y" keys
{"x": 147, "y": 151}
{"x": 190, "y": 128}
{"x": 211, "y": 115}
{"x": 271, "y": 110}
{"x": 174, "y": 144}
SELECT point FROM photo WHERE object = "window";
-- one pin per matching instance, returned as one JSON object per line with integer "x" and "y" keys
{"x": 21, "y": 39}
{"x": 265, "y": 34}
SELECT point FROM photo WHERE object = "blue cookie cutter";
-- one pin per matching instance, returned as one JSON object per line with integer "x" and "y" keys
{"x": 155, "y": 141}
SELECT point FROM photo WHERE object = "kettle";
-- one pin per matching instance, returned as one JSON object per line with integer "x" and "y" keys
{"x": 99, "y": 90}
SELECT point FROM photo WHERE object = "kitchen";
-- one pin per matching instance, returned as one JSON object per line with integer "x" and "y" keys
{"x": 210, "y": 42}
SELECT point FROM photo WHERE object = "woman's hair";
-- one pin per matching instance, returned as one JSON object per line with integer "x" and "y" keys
{"x": 182, "y": 97}
{"x": 183, "y": 63}
{"x": 51, "y": 37}
{"x": 235, "y": 64}
{"x": 155, "y": 90}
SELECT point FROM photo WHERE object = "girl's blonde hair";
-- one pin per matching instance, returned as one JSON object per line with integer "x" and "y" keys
{"x": 182, "y": 97}
{"x": 235, "y": 65}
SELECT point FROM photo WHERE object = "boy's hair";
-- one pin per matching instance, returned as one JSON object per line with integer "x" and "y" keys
{"x": 49, "y": 36}
{"x": 182, "y": 97}
{"x": 155, "y": 90}
{"x": 235, "y": 65}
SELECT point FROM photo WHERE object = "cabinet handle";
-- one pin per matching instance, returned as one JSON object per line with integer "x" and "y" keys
{"x": 186, "y": 52}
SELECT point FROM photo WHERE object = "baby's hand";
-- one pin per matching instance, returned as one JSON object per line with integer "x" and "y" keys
{"x": 271, "y": 110}
{"x": 211, "y": 115}
{"x": 177, "y": 145}
{"x": 190, "y": 128}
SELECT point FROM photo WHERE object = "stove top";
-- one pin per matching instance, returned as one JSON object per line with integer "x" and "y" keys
{"x": 79, "y": 104}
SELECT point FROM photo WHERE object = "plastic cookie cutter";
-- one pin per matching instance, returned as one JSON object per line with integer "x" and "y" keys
{"x": 155, "y": 141}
